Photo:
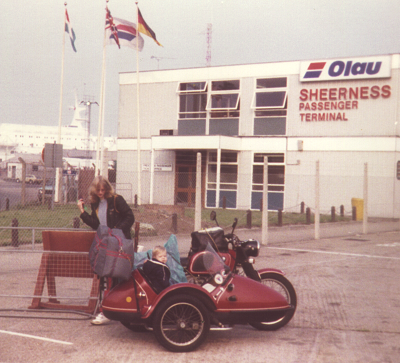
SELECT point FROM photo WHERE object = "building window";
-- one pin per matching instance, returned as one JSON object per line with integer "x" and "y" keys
{"x": 224, "y": 99}
{"x": 270, "y": 106}
{"x": 228, "y": 179}
{"x": 192, "y": 100}
{"x": 276, "y": 180}
{"x": 192, "y": 108}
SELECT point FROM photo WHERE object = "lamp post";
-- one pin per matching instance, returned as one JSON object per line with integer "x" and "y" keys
{"x": 89, "y": 107}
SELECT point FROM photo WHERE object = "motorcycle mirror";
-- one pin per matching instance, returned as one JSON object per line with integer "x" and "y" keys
{"x": 213, "y": 217}
{"x": 234, "y": 224}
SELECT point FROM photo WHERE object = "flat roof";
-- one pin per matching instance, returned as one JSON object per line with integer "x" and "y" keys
{"x": 230, "y": 71}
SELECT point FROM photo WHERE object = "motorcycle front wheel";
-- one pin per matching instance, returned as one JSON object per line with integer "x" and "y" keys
{"x": 282, "y": 285}
{"x": 181, "y": 323}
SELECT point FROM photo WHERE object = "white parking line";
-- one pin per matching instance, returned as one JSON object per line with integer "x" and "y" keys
{"x": 394, "y": 244}
{"x": 335, "y": 253}
{"x": 35, "y": 337}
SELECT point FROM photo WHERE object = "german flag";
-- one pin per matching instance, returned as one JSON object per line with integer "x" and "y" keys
{"x": 145, "y": 29}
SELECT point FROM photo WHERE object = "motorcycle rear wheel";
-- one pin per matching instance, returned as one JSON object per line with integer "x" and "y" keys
{"x": 282, "y": 285}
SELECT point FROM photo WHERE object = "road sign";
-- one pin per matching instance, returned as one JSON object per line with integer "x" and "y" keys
{"x": 52, "y": 155}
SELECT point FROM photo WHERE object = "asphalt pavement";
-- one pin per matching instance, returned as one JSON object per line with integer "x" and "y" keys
{"x": 348, "y": 309}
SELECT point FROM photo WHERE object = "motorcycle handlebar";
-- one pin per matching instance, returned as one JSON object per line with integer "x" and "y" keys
{"x": 232, "y": 238}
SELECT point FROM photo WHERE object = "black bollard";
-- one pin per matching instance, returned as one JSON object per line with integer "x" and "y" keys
{"x": 342, "y": 210}
{"x": 302, "y": 205}
{"x": 14, "y": 233}
{"x": 308, "y": 215}
{"x": 354, "y": 213}
{"x": 280, "y": 222}
{"x": 261, "y": 205}
{"x": 175, "y": 223}
{"x": 333, "y": 214}
{"x": 7, "y": 204}
{"x": 248, "y": 219}
{"x": 136, "y": 201}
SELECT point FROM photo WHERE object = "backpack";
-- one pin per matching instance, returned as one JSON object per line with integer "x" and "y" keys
{"x": 111, "y": 254}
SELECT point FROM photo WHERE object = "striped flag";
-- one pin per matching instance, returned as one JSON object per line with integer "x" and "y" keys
{"x": 145, "y": 29}
{"x": 69, "y": 30}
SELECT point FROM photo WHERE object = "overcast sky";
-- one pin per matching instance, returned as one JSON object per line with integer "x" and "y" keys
{"x": 243, "y": 31}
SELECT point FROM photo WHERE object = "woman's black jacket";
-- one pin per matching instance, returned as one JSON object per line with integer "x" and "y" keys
{"x": 119, "y": 215}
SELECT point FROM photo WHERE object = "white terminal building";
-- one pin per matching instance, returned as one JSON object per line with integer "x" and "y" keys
{"x": 340, "y": 116}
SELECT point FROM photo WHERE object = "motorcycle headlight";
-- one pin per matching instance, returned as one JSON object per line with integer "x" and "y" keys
{"x": 251, "y": 247}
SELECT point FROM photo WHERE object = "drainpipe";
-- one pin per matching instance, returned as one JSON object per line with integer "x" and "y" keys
{"x": 218, "y": 175}
{"x": 151, "y": 172}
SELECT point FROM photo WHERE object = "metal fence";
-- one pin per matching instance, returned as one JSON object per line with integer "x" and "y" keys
{"x": 167, "y": 200}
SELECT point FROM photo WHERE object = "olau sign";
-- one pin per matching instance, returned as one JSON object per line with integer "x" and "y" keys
{"x": 346, "y": 69}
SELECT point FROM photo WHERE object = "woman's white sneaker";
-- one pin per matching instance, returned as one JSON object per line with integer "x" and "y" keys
{"x": 100, "y": 320}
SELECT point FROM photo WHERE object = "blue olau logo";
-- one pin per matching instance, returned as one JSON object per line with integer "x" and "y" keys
{"x": 339, "y": 68}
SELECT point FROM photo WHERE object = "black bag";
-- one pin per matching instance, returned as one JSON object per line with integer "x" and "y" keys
{"x": 213, "y": 236}
{"x": 111, "y": 254}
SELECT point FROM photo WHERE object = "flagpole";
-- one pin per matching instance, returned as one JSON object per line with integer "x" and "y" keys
{"x": 62, "y": 77}
{"x": 101, "y": 109}
{"x": 102, "y": 121}
{"x": 57, "y": 186}
{"x": 139, "y": 189}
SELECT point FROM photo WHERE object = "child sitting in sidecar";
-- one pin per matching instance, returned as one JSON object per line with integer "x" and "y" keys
{"x": 157, "y": 270}
{"x": 177, "y": 274}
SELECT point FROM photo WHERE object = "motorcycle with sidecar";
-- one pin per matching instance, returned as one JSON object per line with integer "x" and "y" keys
{"x": 182, "y": 314}
{"x": 240, "y": 257}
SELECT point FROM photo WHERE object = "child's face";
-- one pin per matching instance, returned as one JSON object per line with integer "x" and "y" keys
{"x": 162, "y": 257}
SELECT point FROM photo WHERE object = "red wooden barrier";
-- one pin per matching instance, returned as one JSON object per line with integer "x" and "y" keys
{"x": 55, "y": 264}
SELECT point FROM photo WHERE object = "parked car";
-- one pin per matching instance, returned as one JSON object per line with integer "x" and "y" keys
{"x": 31, "y": 179}
{"x": 48, "y": 190}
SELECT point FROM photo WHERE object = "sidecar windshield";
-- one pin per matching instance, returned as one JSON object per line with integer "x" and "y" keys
{"x": 207, "y": 262}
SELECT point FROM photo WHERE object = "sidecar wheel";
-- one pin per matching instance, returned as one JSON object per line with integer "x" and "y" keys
{"x": 181, "y": 323}
{"x": 282, "y": 285}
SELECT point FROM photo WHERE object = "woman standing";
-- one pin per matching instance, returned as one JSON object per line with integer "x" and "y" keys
{"x": 108, "y": 209}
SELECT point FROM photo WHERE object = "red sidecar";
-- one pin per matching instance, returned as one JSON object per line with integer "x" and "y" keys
{"x": 182, "y": 314}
